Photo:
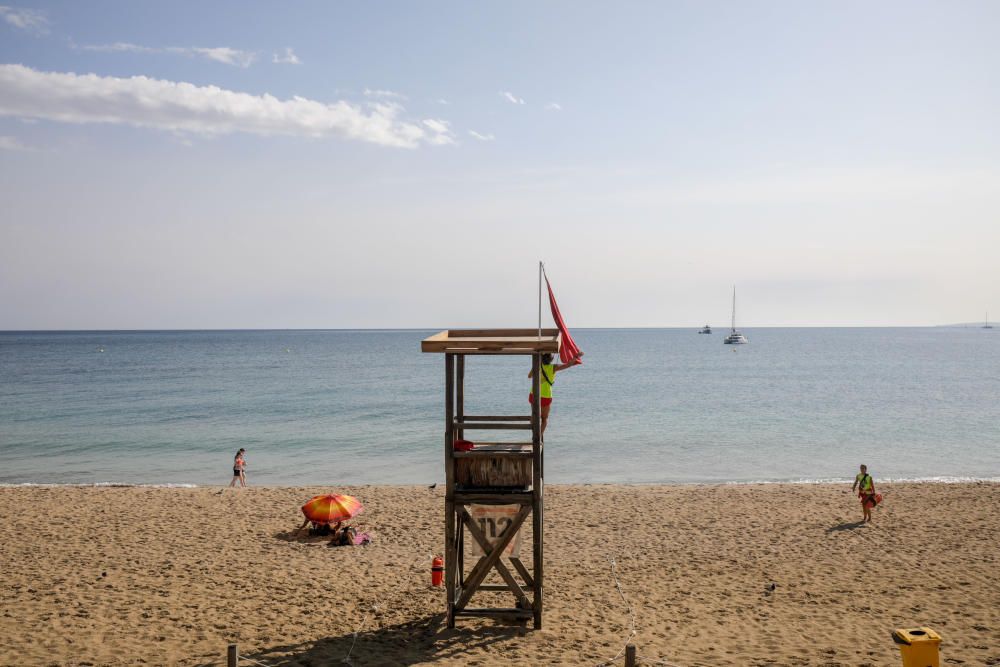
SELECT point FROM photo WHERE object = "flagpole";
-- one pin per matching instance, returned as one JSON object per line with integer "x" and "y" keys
{"x": 539, "y": 300}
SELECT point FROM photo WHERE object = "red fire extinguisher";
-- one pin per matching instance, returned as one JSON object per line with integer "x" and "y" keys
{"x": 437, "y": 571}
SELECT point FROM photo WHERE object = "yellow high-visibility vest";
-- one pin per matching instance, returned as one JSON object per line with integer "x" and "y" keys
{"x": 864, "y": 480}
{"x": 548, "y": 373}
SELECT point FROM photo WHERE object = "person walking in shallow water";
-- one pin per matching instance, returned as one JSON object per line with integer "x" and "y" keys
{"x": 866, "y": 491}
{"x": 545, "y": 383}
{"x": 239, "y": 469}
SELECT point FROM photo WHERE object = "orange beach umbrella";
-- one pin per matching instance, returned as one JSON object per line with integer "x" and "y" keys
{"x": 332, "y": 508}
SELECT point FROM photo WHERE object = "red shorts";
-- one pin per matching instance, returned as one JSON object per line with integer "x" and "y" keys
{"x": 545, "y": 401}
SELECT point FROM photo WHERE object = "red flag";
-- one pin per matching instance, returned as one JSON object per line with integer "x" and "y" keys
{"x": 569, "y": 352}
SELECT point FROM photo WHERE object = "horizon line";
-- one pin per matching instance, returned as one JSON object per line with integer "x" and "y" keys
{"x": 439, "y": 328}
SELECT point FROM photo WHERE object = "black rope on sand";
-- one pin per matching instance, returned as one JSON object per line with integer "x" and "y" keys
{"x": 631, "y": 613}
{"x": 632, "y": 630}
{"x": 254, "y": 662}
{"x": 374, "y": 609}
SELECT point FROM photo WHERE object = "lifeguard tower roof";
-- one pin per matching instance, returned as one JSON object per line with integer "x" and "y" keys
{"x": 493, "y": 341}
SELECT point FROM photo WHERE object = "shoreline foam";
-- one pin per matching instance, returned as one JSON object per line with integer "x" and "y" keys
{"x": 942, "y": 479}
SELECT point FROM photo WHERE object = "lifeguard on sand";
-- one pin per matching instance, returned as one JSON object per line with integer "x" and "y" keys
{"x": 866, "y": 491}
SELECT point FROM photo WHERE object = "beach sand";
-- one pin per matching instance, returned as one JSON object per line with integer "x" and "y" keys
{"x": 127, "y": 576}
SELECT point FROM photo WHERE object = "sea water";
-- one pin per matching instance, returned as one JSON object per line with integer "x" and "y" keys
{"x": 358, "y": 407}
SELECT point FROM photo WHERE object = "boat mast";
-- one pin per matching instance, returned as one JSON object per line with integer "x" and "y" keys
{"x": 734, "y": 309}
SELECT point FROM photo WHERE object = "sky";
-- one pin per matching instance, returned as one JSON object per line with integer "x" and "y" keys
{"x": 189, "y": 165}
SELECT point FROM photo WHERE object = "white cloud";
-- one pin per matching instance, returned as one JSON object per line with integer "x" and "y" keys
{"x": 384, "y": 94}
{"x": 481, "y": 137}
{"x": 30, "y": 20}
{"x": 511, "y": 97}
{"x": 553, "y": 106}
{"x": 179, "y": 106}
{"x": 118, "y": 47}
{"x": 8, "y": 143}
{"x": 436, "y": 125}
{"x": 222, "y": 54}
{"x": 441, "y": 130}
{"x": 288, "y": 58}
{"x": 443, "y": 101}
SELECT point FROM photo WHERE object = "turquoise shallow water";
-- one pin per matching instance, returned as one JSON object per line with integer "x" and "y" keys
{"x": 649, "y": 405}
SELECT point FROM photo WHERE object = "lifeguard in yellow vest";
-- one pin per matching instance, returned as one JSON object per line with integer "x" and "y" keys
{"x": 545, "y": 382}
{"x": 866, "y": 491}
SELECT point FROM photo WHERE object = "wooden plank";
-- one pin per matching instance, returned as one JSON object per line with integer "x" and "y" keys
{"x": 441, "y": 335}
{"x": 498, "y": 333}
{"x": 496, "y": 418}
{"x": 450, "y": 555}
{"x": 489, "y": 561}
{"x": 517, "y": 443}
{"x": 483, "y": 498}
{"x": 531, "y": 342}
{"x": 511, "y": 351}
{"x": 449, "y": 421}
{"x": 493, "y": 341}
{"x": 523, "y": 571}
{"x": 460, "y": 395}
{"x": 460, "y": 552}
{"x": 497, "y": 426}
{"x": 505, "y": 574}
{"x": 536, "y": 403}
{"x": 499, "y": 588}
{"x": 495, "y": 613}
{"x": 539, "y": 548}
{"x": 477, "y": 453}
{"x": 536, "y": 504}
{"x": 477, "y": 341}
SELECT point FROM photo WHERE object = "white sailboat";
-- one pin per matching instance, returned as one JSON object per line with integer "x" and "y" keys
{"x": 735, "y": 337}
{"x": 987, "y": 324}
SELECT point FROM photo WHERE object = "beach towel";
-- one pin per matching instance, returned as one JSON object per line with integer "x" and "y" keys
{"x": 569, "y": 352}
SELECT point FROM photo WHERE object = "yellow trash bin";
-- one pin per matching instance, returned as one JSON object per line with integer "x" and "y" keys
{"x": 918, "y": 646}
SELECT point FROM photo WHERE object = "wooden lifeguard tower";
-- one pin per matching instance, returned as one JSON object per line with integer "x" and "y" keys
{"x": 492, "y": 473}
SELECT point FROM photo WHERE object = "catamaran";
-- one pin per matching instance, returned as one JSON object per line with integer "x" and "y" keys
{"x": 735, "y": 337}
{"x": 987, "y": 324}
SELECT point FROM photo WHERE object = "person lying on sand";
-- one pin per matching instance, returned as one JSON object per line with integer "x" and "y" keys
{"x": 348, "y": 536}
{"x": 344, "y": 538}
{"x": 340, "y": 535}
